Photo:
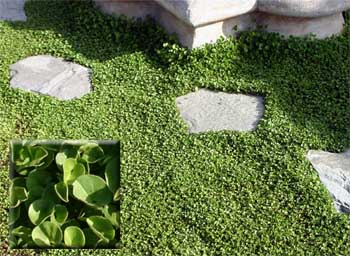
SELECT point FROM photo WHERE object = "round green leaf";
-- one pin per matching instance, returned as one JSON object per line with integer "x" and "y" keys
{"x": 18, "y": 182}
{"x": 47, "y": 160}
{"x": 50, "y": 194}
{"x": 72, "y": 170}
{"x": 92, "y": 152}
{"x": 24, "y": 236}
{"x": 117, "y": 195}
{"x": 39, "y": 211}
{"x": 14, "y": 214}
{"x": 92, "y": 190}
{"x": 112, "y": 174}
{"x": 60, "y": 214}
{"x": 37, "y": 181}
{"x": 102, "y": 227}
{"x": 21, "y": 231}
{"x": 17, "y": 195}
{"x": 69, "y": 152}
{"x": 91, "y": 239}
{"x": 112, "y": 214}
{"x": 47, "y": 234}
{"x": 61, "y": 189}
{"x": 30, "y": 156}
{"x": 74, "y": 237}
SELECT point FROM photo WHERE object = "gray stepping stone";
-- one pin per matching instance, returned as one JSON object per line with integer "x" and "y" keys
{"x": 334, "y": 172}
{"x": 12, "y": 10}
{"x": 205, "y": 110}
{"x": 51, "y": 76}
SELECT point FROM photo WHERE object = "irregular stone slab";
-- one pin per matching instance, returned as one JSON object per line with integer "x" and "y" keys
{"x": 206, "y": 110}
{"x": 12, "y": 10}
{"x": 51, "y": 76}
{"x": 334, "y": 172}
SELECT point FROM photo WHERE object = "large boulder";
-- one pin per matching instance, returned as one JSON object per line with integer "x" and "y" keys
{"x": 197, "y": 22}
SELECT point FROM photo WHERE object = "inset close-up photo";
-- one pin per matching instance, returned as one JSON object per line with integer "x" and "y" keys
{"x": 64, "y": 194}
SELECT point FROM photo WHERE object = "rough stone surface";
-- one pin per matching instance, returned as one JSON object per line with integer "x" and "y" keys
{"x": 136, "y": 9}
{"x": 206, "y": 110}
{"x": 322, "y": 27}
{"x": 303, "y": 8}
{"x": 334, "y": 172}
{"x": 197, "y": 22}
{"x": 200, "y": 12}
{"x": 51, "y": 76}
{"x": 12, "y": 10}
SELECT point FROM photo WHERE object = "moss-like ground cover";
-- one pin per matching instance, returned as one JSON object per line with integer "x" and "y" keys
{"x": 224, "y": 193}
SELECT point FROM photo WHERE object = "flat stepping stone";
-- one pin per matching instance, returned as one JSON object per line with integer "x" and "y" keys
{"x": 334, "y": 172}
{"x": 12, "y": 10}
{"x": 51, "y": 76}
{"x": 206, "y": 110}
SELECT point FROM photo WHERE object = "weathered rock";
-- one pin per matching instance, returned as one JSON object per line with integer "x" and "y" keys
{"x": 334, "y": 172}
{"x": 201, "y": 12}
{"x": 197, "y": 22}
{"x": 321, "y": 27}
{"x": 12, "y": 10}
{"x": 206, "y": 110}
{"x": 51, "y": 76}
{"x": 303, "y": 8}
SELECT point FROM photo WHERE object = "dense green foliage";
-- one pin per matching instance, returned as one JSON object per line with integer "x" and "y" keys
{"x": 64, "y": 195}
{"x": 222, "y": 193}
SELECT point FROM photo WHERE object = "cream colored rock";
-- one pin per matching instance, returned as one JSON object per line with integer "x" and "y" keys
{"x": 197, "y": 22}
{"x": 321, "y": 27}
{"x": 303, "y": 8}
{"x": 200, "y": 12}
{"x": 193, "y": 37}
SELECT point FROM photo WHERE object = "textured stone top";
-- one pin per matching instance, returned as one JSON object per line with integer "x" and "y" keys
{"x": 12, "y": 10}
{"x": 206, "y": 110}
{"x": 334, "y": 172}
{"x": 200, "y": 12}
{"x": 51, "y": 76}
{"x": 303, "y": 8}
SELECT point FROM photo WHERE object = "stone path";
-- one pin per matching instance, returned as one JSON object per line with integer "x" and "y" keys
{"x": 51, "y": 76}
{"x": 334, "y": 172}
{"x": 12, "y": 10}
{"x": 206, "y": 110}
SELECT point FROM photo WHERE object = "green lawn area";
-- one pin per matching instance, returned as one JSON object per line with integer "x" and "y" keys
{"x": 216, "y": 193}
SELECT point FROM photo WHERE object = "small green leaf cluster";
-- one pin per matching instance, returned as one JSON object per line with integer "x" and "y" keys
{"x": 64, "y": 195}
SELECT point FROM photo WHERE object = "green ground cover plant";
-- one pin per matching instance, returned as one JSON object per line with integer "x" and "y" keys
{"x": 64, "y": 195}
{"x": 217, "y": 193}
